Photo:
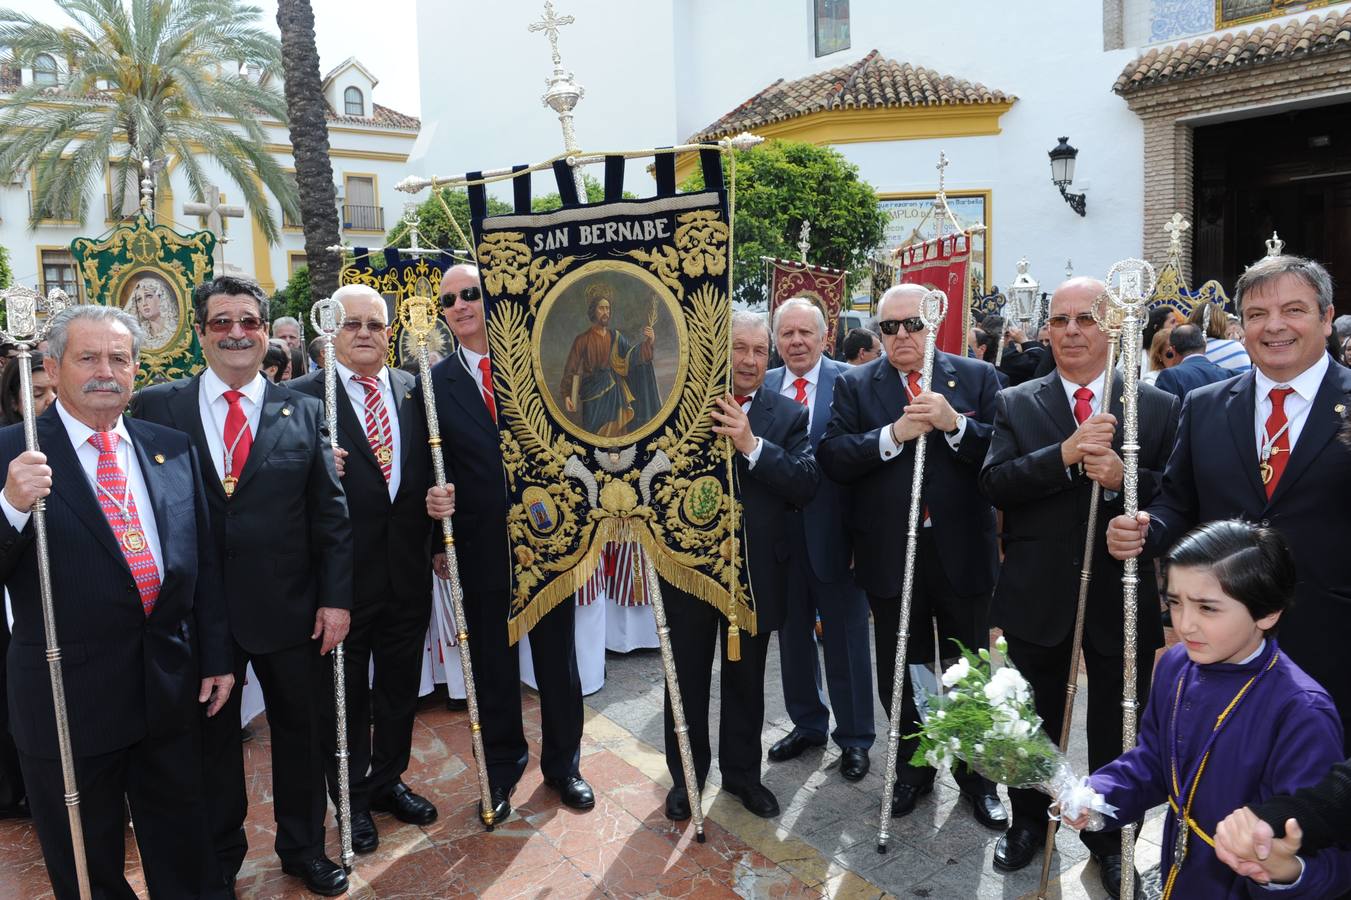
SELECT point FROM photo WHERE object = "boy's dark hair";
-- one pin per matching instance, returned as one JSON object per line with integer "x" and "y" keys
{"x": 276, "y": 357}
{"x": 230, "y": 286}
{"x": 1252, "y": 563}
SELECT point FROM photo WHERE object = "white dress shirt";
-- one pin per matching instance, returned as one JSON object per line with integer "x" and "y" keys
{"x": 889, "y": 449}
{"x": 357, "y": 394}
{"x": 1297, "y": 405}
{"x": 470, "y": 360}
{"x": 789, "y": 389}
{"x": 213, "y": 408}
{"x": 88, "y": 455}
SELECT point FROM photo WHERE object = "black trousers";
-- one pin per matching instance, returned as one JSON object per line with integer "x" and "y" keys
{"x": 695, "y": 629}
{"x": 289, "y": 681}
{"x": 11, "y": 775}
{"x": 161, "y": 780}
{"x": 959, "y": 618}
{"x": 497, "y": 680}
{"x": 1047, "y": 670}
{"x": 390, "y": 630}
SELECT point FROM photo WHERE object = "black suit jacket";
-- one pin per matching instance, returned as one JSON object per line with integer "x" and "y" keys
{"x": 283, "y": 541}
{"x": 127, "y": 676}
{"x": 1193, "y": 372}
{"x": 1212, "y": 474}
{"x": 869, "y": 398}
{"x": 773, "y": 493}
{"x": 1046, "y": 515}
{"x": 391, "y": 539}
{"x": 473, "y": 459}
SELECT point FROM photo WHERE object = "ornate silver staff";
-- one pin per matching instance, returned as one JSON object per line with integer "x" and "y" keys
{"x": 324, "y": 316}
{"x": 25, "y": 332}
{"x": 932, "y": 309}
{"x": 1129, "y": 284}
{"x": 1109, "y": 319}
{"x": 419, "y": 318}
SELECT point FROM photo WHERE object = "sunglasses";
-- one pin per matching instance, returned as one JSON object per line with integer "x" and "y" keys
{"x": 892, "y": 326}
{"x": 471, "y": 294}
{"x": 352, "y": 326}
{"x": 222, "y": 325}
{"x": 1083, "y": 320}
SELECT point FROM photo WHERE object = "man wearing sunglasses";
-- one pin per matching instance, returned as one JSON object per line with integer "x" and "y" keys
{"x": 467, "y": 411}
{"x": 269, "y": 472}
{"x": 880, "y": 410}
{"x": 383, "y": 429}
{"x": 1053, "y": 438}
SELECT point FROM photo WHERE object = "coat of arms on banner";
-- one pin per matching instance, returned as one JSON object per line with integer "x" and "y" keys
{"x": 823, "y": 287}
{"x": 399, "y": 277}
{"x": 608, "y": 327}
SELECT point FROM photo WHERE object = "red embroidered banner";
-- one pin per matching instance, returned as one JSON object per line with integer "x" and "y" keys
{"x": 942, "y": 264}
{"x": 822, "y": 286}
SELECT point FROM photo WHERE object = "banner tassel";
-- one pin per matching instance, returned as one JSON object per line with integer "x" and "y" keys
{"x": 733, "y": 643}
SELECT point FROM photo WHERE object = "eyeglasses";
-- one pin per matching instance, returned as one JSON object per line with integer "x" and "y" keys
{"x": 1083, "y": 320}
{"x": 223, "y": 325}
{"x": 892, "y": 326}
{"x": 471, "y": 294}
{"x": 352, "y": 326}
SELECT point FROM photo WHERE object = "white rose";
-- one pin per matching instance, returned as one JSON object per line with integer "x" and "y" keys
{"x": 940, "y": 715}
{"x": 956, "y": 672}
{"x": 1001, "y": 645}
{"x": 979, "y": 748}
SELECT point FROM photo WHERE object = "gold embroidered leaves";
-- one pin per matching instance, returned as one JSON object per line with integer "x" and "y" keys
{"x": 701, "y": 239}
{"x": 504, "y": 260}
{"x": 664, "y": 263}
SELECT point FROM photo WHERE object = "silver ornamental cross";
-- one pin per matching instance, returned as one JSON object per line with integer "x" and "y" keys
{"x": 216, "y": 213}
{"x": 804, "y": 242}
{"x": 562, "y": 93}
{"x": 550, "y": 25}
{"x": 1275, "y": 246}
{"x": 1175, "y": 227}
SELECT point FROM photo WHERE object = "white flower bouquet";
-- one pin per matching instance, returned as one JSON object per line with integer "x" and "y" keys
{"x": 988, "y": 720}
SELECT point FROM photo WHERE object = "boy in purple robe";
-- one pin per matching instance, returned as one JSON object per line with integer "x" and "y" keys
{"x": 1231, "y": 720}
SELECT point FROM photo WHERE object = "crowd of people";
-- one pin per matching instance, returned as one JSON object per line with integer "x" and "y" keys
{"x": 170, "y": 497}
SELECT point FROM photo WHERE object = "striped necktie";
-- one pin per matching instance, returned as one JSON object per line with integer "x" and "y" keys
{"x": 377, "y": 424}
{"x": 119, "y": 506}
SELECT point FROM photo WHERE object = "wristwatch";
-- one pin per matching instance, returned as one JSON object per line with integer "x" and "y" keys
{"x": 957, "y": 427}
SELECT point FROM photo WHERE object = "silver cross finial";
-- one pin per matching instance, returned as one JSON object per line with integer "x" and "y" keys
{"x": 1069, "y": 269}
{"x": 804, "y": 242}
{"x": 942, "y": 169}
{"x": 1175, "y": 227}
{"x": 550, "y": 25}
{"x": 1275, "y": 246}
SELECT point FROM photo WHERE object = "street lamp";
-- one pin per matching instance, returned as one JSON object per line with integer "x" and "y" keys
{"x": 1062, "y": 174}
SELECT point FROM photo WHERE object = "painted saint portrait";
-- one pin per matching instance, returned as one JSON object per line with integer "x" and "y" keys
{"x": 152, "y": 301}
{"x": 609, "y": 354}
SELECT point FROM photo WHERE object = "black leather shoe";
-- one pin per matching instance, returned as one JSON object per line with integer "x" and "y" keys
{"x": 677, "y": 804}
{"x": 854, "y": 763}
{"x": 986, "y": 808}
{"x": 906, "y": 795}
{"x": 501, "y": 804}
{"x": 755, "y": 797}
{"x": 1018, "y": 847}
{"x": 364, "y": 836}
{"x": 321, "y": 875}
{"x": 1109, "y": 871}
{"x": 793, "y": 745}
{"x": 457, "y": 704}
{"x": 405, "y": 805}
{"x": 574, "y": 791}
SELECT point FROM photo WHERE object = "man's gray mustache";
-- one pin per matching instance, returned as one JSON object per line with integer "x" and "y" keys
{"x": 101, "y": 384}
{"x": 236, "y": 344}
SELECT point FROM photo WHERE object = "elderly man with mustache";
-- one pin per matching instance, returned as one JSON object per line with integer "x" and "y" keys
{"x": 269, "y": 471}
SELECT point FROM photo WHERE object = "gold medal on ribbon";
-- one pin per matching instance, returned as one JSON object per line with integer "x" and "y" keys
{"x": 133, "y": 540}
{"x": 384, "y": 455}
{"x": 229, "y": 482}
{"x": 1265, "y": 471}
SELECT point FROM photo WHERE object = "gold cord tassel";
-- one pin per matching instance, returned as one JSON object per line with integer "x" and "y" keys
{"x": 733, "y": 643}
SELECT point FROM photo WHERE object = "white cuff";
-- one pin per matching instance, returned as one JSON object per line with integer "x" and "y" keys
{"x": 16, "y": 518}
{"x": 1293, "y": 884}
{"x": 754, "y": 456}
{"x": 888, "y": 448}
{"x": 955, "y": 438}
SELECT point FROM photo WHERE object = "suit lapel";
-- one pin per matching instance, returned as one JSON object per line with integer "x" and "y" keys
{"x": 760, "y": 413}
{"x": 463, "y": 389}
{"x": 404, "y": 409}
{"x": 71, "y": 484}
{"x": 186, "y": 413}
{"x": 1051, "y": 398}
{"x": 353, "y": 427}
{"x": 1239, "y": 410}
{"x": 277, "y": 409}
{"x": 1320, "y": 426}
{"x": 887, "y": 388}
{"x": 825, "y": 396}
{"x": 153, "y": 476}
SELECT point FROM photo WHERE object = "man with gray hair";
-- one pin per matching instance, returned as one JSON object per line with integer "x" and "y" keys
{"x": 287, "y": 328}
{"x": 1262, "y": 447}
{"x": 822, "y": 578}
{"x": 139, "y": 612}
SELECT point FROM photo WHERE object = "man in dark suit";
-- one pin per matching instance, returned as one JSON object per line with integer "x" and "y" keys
{"x": 1191, "y": 369}
{"x": 880, "y": 410}
{"x": 821, "y": 581}
{"x": 387, "y": 469}
{"x": 776, "y": 476}
{"x": 1262, "y": 447}
{"x": 462, "y": 385}
{"x": 139, "y": 615}
{"x": 275, "y": 503}
{"x": 1053, "y": 437}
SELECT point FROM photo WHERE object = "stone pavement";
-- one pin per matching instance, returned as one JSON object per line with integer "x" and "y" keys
{"x": 823, "y": 844}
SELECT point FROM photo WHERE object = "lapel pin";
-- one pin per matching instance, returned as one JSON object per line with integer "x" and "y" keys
{"x": 286, "y": 410}
{"x": 1339, "y": 408}
{"x": 159, "y": 458}
{"x": 952, "y": 384}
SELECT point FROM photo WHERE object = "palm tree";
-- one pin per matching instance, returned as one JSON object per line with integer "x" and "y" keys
{"x": 148, "y": 79}
{"x": 309, "y": 142}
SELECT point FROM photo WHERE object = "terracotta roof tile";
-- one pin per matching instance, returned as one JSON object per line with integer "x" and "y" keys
{"x": 873, "y": 82}
{"x": 1229, "y": 51}
{"x": 381, "y": 117}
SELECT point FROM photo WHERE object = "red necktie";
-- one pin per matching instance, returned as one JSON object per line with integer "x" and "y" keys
{"x": 1083, "y": 404}
{"x": 238, "y": 439}
{"x": 1279, "y": 435}
{"x": 801, "y": 395}
{"x": 743, "y": 399}
{"x": 485, "y": 368}
{"x": 119, "y": 506}
{"x": 912, "y": 379}
{"x": 377, "y": 424}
